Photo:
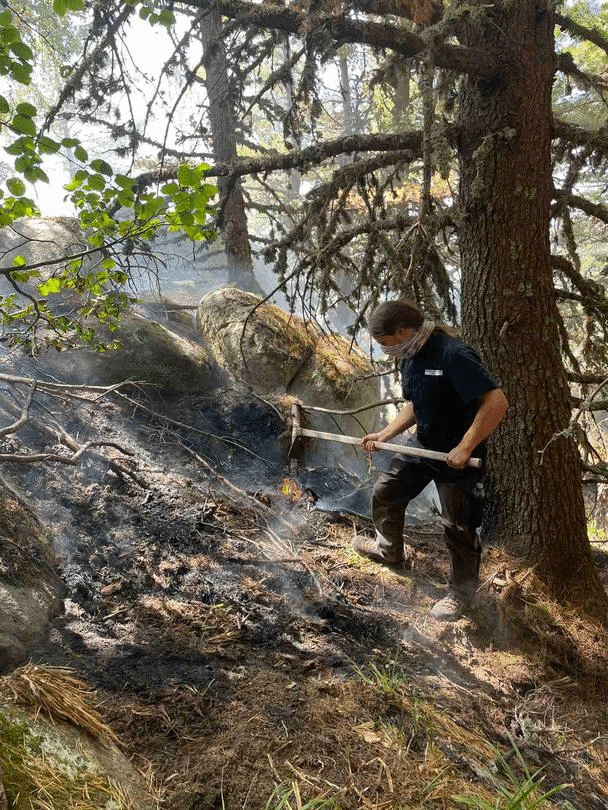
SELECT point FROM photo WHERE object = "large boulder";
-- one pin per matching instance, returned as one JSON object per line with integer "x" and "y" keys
{"x": 278, "y": 354}
{"x": 266, "y": 349}
{"x": 41, "y": 239}
{"x": 148, "y": 352}
{"x": 30, "y": 588}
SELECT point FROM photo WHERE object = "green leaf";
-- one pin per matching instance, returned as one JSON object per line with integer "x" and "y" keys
{"x": 21, "y": 73}
{"x": 187, "y": 176}
{"x": 101, "y": 166}
{"x": 26, "y": 109}
{"x": 4, "y": 105}
{"x": 24, "y": 125}
{"x": 15, "y": 186}
{"x": 75, "y": 5}
{"x": 166, "y": 17}
{"x": 6, "y": 18}
{"x": 97, "y": 182}
{"x": 125, "y": 198}
{"x": 22, "y": 51}
{"x": 124, "y": 182}
{"x": 80, "y": 153}
{"x": 20, "y": 276}
{"x": 60, "y": 7}
{"x": 48, "y": 146}
{"x": 51, "y": 285}
{"x": 170, "y": 188}
{"x": 18, "y": 261}
{"x": 10, "y": 34}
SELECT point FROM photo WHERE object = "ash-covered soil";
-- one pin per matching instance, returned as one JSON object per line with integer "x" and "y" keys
{"x": 247, "y": 659}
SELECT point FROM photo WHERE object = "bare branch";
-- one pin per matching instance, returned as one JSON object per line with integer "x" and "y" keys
{"x": 33, "y": 458}
{"x": 585, "y": 379}
{"x": 73, "y": 83}
{"x": 65, "y": 388}
{"x": 574, "y": 201}
{"x": 567, "y": 65}
{"x": 398, "y": 8}
{"x": 410, "y": 141}
{"x": 591, "y": 292}
{"x": 576, "y": 135}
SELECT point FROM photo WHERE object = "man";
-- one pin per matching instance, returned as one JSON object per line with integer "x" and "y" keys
{"x": 455, "y": 404}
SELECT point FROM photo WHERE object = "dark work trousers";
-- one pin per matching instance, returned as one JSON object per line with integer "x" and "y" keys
{"x": 461, "y": 496}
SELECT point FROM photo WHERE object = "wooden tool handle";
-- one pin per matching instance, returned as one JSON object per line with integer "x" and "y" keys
{"x": 421, "y": 452}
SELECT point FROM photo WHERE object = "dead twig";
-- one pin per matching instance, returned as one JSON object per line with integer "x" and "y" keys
{"x": 25, "y": 414}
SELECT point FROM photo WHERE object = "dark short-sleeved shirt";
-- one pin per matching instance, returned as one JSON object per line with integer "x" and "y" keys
{"x": 444, "y": 381}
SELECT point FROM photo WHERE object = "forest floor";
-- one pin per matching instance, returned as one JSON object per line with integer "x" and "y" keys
{"x": 247, "y": 659}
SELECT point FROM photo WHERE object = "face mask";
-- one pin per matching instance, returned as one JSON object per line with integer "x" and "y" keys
{"x": 396, "y": 351}
{"x": 408, "y": 348}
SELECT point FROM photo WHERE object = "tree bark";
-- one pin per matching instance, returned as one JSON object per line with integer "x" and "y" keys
{"x": 401, "y": 99}
{"x": 233, "y": 219}
{"x": 509, "y": 306}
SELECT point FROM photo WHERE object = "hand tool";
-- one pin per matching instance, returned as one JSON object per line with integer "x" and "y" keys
{"x": 421, "y": 452}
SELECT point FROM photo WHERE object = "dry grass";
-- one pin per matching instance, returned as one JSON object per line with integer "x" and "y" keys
{"x": 204, "y": 628}
{"x": 32, "y": 781}
{"x": 278, "y": 735}
{"x": 59, "y": 695}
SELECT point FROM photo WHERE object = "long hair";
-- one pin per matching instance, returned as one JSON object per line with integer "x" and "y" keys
{"x": 402, "y": 314}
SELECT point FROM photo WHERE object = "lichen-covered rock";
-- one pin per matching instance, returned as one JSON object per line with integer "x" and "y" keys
{"x": 42, "y": 239}
{"x": 30, "y": 589}
{"x": 148, "y": 352}
{"x": 277, "y": 354}
{"x": 64, "y": 766}
{"x": 266, "y": 348}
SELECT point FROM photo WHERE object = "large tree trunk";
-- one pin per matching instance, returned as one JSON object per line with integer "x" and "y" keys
{"x": 233, "y": 219}
{"x": 508, "y": 305}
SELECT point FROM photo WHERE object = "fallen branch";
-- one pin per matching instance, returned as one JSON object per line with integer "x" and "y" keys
{"x": 25, "y": 415}
{"x": 58, "y": 432}
{"x": 31, "y": 458}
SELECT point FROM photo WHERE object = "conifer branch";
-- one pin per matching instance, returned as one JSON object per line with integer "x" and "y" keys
{"x": 340, "y": 28}
{"x": 582, "y": 32}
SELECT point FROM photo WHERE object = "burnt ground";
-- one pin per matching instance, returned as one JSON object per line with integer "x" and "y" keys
{"x": 247, "y": 659}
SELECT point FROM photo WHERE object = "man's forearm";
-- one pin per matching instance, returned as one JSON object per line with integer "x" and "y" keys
{"x": 491, "y": 411}
{"x": 405, "y": 419}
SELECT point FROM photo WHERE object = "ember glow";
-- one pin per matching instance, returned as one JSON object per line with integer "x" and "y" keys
{"x": 290, "y": 490}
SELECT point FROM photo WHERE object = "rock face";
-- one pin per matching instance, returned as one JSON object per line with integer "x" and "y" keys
{"x": 148, "y": 352}
{"x": 30, "y": 590}
{"x": 65, "y": 764}
{"x": 277, "y": 353}
{"x": 268, "y": 354}
{"x": 40, "y": 239}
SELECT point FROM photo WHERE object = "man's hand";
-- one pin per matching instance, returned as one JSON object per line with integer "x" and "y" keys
{"x": 457, "y": 458}
{"x": 368, "y": 441}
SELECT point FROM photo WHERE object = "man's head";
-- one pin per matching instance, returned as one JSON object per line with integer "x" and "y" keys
{"x": 394, "y": 322}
